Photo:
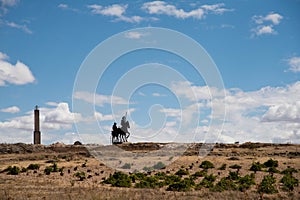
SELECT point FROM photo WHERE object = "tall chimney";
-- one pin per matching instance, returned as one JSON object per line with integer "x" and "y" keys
{"x": 37, "y": 132}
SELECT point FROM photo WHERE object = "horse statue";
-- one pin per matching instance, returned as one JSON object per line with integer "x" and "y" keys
{"x": 120, "y": 135}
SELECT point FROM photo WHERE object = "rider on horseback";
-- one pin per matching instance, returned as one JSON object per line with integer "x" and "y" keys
{"x": 120, "y": 134}
{"x": 125, "y": 125}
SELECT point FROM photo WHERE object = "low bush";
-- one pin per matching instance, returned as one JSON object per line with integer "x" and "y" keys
{"x": 267, "y": 185}
{"x": 12, "y": 170}
{"x": 272, "y": 170}
{"x": 271, "y": 163}
{"x": 148, "y": 169}
{"x": 206, "y": 165}
{"x": 161, "y": 175}
{"x": 289, "y": 170}
{"x": 289, "y": 182}
{"x": 256, "y": 166}
{"x": 201, "y": 173}
{"x": 224, "y": 184}
{"x": 118, "y": 179}
{"x": 246, "y": 182}
{"x": 182, "y": 172}
{"x": 233, "y": 176}
{"x": 48, "y": 170}
{"x": 234, "y": 182}
{"x": 80, "y": 175}
{"x": 23, "y": 170}
{"x": 182, "y": 186}
{"x": 172, "y": 179}
{"x": 207, "y": 182}
{"x": 52, "y": 168}
{"x": 33, "y": 167}
{"x": 149, "y": 182}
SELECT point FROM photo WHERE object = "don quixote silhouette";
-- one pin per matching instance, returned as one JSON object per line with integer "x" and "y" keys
{"x": 120, "y": 134}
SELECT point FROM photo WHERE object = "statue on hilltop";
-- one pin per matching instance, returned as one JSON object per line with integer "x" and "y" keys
{"x": 120, "y": 134}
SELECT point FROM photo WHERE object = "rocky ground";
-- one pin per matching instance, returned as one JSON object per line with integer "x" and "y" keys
{"x": 74, "y": 160}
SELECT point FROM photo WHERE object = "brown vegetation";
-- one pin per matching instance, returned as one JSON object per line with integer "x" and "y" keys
{"x": 75, "y": 174}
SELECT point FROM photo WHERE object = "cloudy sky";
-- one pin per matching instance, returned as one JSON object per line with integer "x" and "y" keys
{"x": 254, "y": 44}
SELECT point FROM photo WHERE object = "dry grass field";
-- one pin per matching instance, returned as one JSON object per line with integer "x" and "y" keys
{"x": 71, "y": 160}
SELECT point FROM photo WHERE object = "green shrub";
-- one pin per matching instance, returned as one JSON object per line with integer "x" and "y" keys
{"x": 233, "y": 176}
{"x": 80, "y": 175}
{"x": 224, "y": 184}
{"x": 223, "y": 167}
{"x": 159, "y": 165}
{"x": 54, "y": 167}
{"x": 138, "y": 176}
{"x": 48, "y": 170}
{"x": 172, "y": 179}
{"x": 245, "y": 182}
{"x": 161, "y": 175}
{"x": 201, "y": 173}
{"x": 256, "y": 166}
{"x": 149, "y": 182}
{"x": 289, "y": 182}
{"x": 267, "y": 185}
{"x": 119, "y": 179}
{"x": 273, "y": 170}
{"x": 33, "y": 167}
{"x": 12, "y": 170}
{"x": 148, "y": 169}
{"x": 289, "y": 170}
{"x": 182, "y": 172}
{"x": 23, "y": 170}
{"x": 207, "y": 181}
{"x": 126, "y": 166}
{"x": 271, "y": 163}
{"x": 206, "y": 165}
{"x": 182, "y": 186}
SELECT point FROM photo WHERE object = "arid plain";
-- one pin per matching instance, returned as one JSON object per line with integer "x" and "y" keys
{"x": 76, "y": 174}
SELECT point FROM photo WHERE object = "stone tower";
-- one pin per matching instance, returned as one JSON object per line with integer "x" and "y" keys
{"x": 36, "y": 132}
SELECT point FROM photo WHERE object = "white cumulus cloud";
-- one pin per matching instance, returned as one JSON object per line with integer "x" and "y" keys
{"x": 18, "y": 74}
{"x": 274, "y": 18}
{"x": 57, "y": 118}
{"x": 288, "y": 112}
{"x": 12, "y": 109}
{"x": 294, "y": 64}
{"x": 265, "y": 24}
{"x": 99, "y": 99}
{"x": 115, "y": 10}
{"x": 61, "y": 115}
{"x": 260, "y": 30}
{"x": 259, "y": 115}
{"x": 163, "y": 8}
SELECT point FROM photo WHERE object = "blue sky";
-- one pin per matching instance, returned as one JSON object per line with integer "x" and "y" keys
{"x": 254, "y": 44}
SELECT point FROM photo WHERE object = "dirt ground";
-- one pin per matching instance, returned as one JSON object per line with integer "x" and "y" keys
{"x": 35, "y": 184}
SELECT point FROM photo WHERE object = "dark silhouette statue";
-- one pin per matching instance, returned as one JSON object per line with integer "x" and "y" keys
{"x": 120, "y": 135}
